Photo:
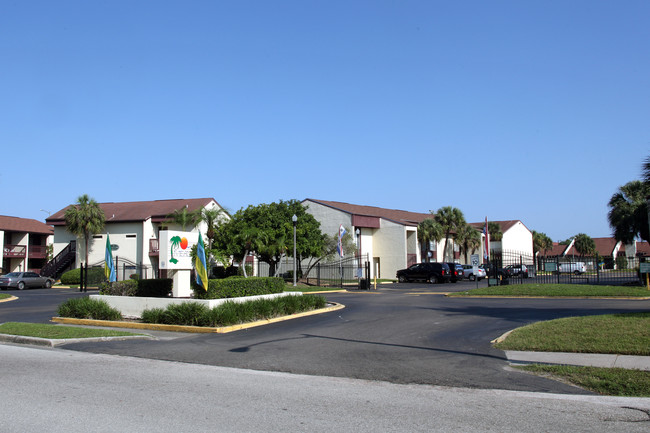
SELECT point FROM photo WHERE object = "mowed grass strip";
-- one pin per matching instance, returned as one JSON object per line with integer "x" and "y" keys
{"x": 623, "y": 334}
{"x": 606, "y": 381}
{"x": 558, "y": 290}
{"x": 56, "y": 332}
{"x": 5, "y": 296}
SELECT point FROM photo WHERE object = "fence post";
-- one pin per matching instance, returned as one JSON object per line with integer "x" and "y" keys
{"x": 318, "y": 274}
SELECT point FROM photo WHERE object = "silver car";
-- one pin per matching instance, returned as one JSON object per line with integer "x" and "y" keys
{"x": 468, "y": 270}
{"x": 22, "y": 280}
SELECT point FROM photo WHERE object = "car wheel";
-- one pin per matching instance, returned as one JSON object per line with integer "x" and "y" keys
{"x": 471, "y": 277}
{"x": 402, "y": 279}
{"x": 48, "y": 284}
{"x": 433, "y": 279}
{"x": 21, "y": 285}
{"x": 577, "y": 272}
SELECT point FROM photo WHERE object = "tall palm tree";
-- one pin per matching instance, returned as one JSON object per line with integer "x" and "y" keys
{"x": 428, "y": 230}
{"x": 628, "y": 211}
{"x": 469, "y": 239}
{"x": 541, "y": 242}
{"x": 84, "y": 219}
{"x": 211, "y": 217}
{"x": 185, "y": 218}
{"x": 494, "y": 230}
{"x": 450, "y": 219}
{"x": 584, "y": 244}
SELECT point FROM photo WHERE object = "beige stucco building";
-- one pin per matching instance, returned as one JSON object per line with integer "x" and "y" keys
{"x": 134, "y": 229}
{"x": 24, "y": 244}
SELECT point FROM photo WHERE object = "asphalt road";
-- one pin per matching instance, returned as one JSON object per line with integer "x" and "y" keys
{"x": 54, "y": 390}
{"x": 401, "y": 333}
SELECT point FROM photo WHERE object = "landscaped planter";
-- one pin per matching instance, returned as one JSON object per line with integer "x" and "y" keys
{"x": 132, "y": 307}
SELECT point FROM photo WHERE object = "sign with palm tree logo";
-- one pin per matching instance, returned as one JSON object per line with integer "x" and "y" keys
{"x": 176, "y": 248}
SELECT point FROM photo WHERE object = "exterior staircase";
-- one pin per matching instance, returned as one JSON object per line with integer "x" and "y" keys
{"x": 58, "y": 264}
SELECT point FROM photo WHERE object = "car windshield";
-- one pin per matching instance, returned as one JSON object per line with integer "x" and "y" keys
{"x": 13, "y": 274}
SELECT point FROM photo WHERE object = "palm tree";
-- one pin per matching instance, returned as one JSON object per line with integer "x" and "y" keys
{"x": 450, "y": 219}
{"x": 185, "y": 218}
{"x": 541, "y": 242}
{"x": 85, "y": 219}
{"x": 428, "y": 230}
{"x": 628, "y": 211}
{"x": 211, "y": 217}
{"x": 494, "y": 230}
{"x": 469, "y": 239}
{"x": 584, "y": 244}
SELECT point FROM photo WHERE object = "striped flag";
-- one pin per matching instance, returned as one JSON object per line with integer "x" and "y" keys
{"x": 199, "y": 265}
{"x": 339, "y": 245}
{"x": 109, "y": 266}
{"x": 486, "y": 248}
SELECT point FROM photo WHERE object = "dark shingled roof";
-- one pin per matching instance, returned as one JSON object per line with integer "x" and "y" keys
{"x": 157, "y": 210}
{"x": 15, "y": 224}
{"x": 398, "y": 216}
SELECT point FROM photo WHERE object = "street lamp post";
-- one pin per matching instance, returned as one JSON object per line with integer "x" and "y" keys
{"x": 294, "y": 219}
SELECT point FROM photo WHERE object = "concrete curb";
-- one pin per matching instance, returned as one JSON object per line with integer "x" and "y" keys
{"x": 193, "y": 329}
{"x": 35, "y": 341}
{"x": 12, "y": 298}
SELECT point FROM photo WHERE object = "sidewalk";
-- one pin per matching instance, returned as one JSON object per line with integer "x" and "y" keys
{"x": 582, "y": 359}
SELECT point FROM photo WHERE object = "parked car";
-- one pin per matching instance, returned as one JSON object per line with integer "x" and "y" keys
{"x": 517, "y": 270}
{"x": 493, "y": 272}
{"x": 469, "y": 273}
{"x": 22, "y": 280}
{"x": 457, "y": 272}
{"x": 431, "y": 272}
{"x": 576, "y": 268}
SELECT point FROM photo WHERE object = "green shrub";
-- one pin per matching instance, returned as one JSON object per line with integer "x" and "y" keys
{"x": 73, "y": 276}
{"x": 232, "y": 313}
{"x": 119, "y": 288}
{"x": 87, "y": 308}
{"x": 155, "y": 288}
{"x": 621, "y": 262}
{"x": 235, "y": 287}
{"x": 154, "y": 315}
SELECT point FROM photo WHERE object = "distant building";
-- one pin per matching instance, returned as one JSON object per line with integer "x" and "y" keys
{"x": 24, "y": 244}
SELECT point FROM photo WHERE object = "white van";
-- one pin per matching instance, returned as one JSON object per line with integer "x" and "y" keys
{"x": 572, "y": 268}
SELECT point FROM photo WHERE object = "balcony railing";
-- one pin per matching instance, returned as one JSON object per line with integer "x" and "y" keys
{"x": 15, "y": 251}
{"x": 37, "y": 252}
{"x": 154, "y": 248}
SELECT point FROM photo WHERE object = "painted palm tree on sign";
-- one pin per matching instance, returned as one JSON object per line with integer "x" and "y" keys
{"x": 85, "y": 219}
{"x": 450, "y": 219}
{"x": 175, "y": 243}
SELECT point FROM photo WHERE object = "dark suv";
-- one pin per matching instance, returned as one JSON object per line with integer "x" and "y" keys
{"x": 431, "y": 272}
{"x": 457, "y": 272}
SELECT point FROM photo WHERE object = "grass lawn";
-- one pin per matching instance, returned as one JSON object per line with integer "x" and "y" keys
{"x": 557, "y": 290}
{"x": 5, "y": 296}
{"x": 606, "y": 381}
{"x": 624, "y": 334}
{"x": 55, "y": 332}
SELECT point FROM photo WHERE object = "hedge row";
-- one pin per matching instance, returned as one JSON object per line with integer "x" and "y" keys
{"x": 95, "y": 276}
{"x": 232, "y": 313}
{"x": 235, "y": 287}
{"x": 153, "y": 288}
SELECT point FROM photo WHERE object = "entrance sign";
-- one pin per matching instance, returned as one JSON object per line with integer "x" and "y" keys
{"x": 175, "y": 256}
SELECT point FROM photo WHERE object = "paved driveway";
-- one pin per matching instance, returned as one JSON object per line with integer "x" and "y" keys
{"x": 401, "y": 333}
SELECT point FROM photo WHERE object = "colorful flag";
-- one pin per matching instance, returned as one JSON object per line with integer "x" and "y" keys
{"x": 339, "y": 245}
{"x": 486, "y": 247}
{"x": 109, "y": 266}
{"x": 199, "y": 265}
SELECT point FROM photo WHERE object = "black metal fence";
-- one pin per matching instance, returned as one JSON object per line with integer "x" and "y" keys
{"x": 124, "y": 269}
{"x": 349, "y": 272}
{"x": 511, "y": 267}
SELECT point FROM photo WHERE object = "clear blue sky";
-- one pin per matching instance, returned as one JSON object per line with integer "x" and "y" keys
{"x": 529, "y": 110}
